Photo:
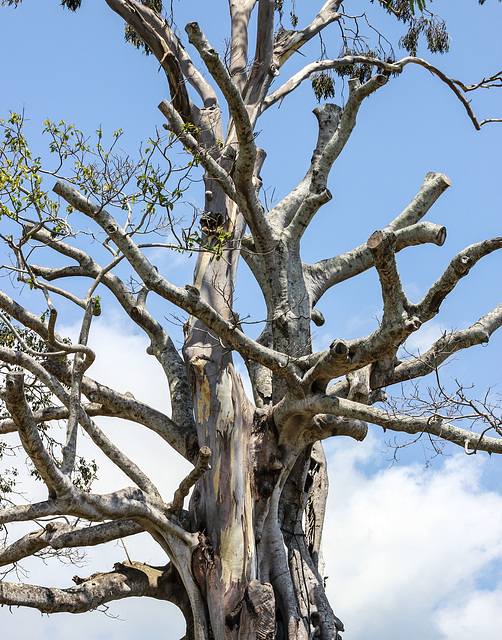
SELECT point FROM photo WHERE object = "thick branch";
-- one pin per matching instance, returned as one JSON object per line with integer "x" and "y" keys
{"x": 127, "y": 580}
{"x": 60, "y": 535}
{"x": 446, "y": 346}
{"x": 243, "y": 172}
{"x": 408, "y": 424}
{"x": 382, "y": 247}
{"x": 328, "y": 151}
{"x": 291, "y": 41}
{"x": 185, "y": 298}
{"x": 240, "y": 13}
{"x": 17, "y": 406}
{"x": 409, "y": 231}
{"x": 155, "y": 32}
{"x": 459, "y": 267}
{"x": 432, "y": 187}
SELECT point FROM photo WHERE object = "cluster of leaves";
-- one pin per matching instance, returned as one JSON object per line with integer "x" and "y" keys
{"x": 293, "y": 17}
{"x": 411, "y": 4}
{"x": 21, "y": 179}
{"x": 323, "y": 85}
{"x": 428, "y": 25}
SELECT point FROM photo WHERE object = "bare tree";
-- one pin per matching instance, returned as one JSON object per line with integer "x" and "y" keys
{"x": 243, "y": 556}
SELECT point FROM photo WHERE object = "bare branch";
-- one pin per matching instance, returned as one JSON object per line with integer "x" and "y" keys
{"x": 47, "y": 414}
{"x": 292, "y": 41}
{"x": 409, "y": 231}
{"x": 459, "y": 267}
{"x": 78, "y": 369}
{"x": 183, "y": 490}
{"x": 392, "y": 67}
{"x": 240, "y": 12}
{"x": 432, "y": 187}
{"x": 60, "y": 535}
{"x": 381, "y": 244}
{"x": 243, "y": 172}
{"x": 408, "y": 424}
{"x": 185, "y": 298}
{"x": 327, "y": 152}
{"x": 17, "y": 406}
{"x": 446, "y": 346}
{"x": 323, "y": 275}
{"x": 113, "y": 403}
{"x": 127, "y": 580}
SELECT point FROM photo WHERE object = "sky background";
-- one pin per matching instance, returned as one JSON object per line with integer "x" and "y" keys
{"x": 412, "y": 549}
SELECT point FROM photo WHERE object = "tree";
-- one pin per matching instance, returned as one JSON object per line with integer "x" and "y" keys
{"x": 245, "y": 555}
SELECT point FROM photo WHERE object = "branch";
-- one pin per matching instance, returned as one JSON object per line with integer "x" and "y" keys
{"x": 7, "y": 425}
{"x": 200, "y": 154}
{"x": 390, "y": 67}
{"x": 243, "y": 172}
{"x": 240, "y": 13}
{"x": 47, "y": 508}
{"x": 328, "y": 151}
{"x": 325, "y": 426}
{"x": 381, "y": 244}
{"x": 328, "y": 117}
{"x": 162, "y": 346}
{"x": 59, "y": 535}
{"x": 292, "y": 41}
{"x": 184, "y": 489}
{"x": 78, "y": 369}
{"x": 113, "y": 403}
{"x": 155, "y": 32}
{"x": 127, "y": 580}
{"x": 264, "y": 69}
{"x": 446, "y": 346}
{"x": 327, "y": 273}
{"x": 432, "y": 187}
{"x": 185, "y": 298}
{"x": 459, "y": 267}
{"x": 130, "y": 469}
{"x": 17, "y": 406}
{"x": 408, "y": 424}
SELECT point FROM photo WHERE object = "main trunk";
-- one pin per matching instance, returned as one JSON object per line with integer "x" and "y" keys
{"x": 255, "y": 566}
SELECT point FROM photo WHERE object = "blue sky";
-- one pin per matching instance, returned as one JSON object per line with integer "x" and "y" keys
{"x": 447, "y": 547}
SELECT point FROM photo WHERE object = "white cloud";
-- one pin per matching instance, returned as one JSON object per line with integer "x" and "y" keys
{"x": 478, "y": 615}
{"x": 425, "y": 337}
{"x": 408, "y": 545}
